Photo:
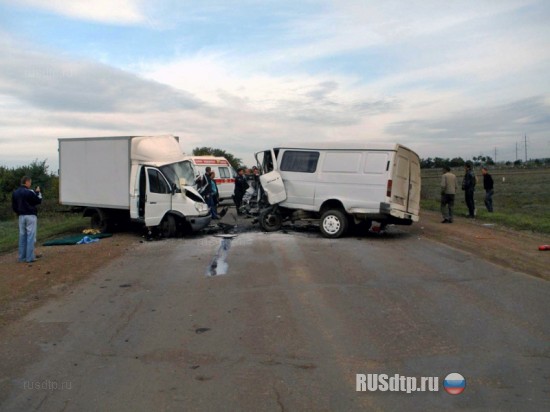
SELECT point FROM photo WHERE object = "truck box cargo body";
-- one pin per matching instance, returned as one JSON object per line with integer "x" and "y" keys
{"x": 342, "y": 184}
{"x": 142, "y": 178}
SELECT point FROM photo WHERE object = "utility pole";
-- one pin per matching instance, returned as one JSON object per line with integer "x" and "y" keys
{"x": 525, "y": 138}
{"x": 516, "y": 150}
{"x": 495, "y": 155}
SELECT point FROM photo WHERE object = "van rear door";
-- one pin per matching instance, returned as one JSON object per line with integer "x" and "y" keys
{"x": 405, "y": 190}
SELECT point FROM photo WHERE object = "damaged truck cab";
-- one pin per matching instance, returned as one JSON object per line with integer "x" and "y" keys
{"x": 132, "y": 178}
{"x": 340, "y": 185}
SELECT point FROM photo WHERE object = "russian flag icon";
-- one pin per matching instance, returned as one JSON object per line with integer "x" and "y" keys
{"x": 454, "y": 383}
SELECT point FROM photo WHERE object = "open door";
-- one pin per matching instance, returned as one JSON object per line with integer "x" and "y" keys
{"x": 406, "y": 182}
{"x": 158, "y": 198}
{"x": 413, "y": 206}
{"x": 271, "y": 179}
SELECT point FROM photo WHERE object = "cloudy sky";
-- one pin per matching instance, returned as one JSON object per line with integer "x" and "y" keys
{"x": 446, "y": 78}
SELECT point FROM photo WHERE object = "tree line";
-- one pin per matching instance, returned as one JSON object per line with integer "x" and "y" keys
{"x": 37, "y": 170}
{"x": 439, "y": 162}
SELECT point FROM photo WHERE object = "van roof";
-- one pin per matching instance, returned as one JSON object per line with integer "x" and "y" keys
{"x": 342, "y": 146}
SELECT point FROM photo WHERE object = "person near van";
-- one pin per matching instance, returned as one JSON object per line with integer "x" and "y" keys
{"x": 204, "y": 185}
{"x": 448, "y": 192}
{"x": 215, "y": 192}
{"x": 240, "y": 189}
{"x": 469, "y": 185}
{"x": 24, "y": 201}
{"x": 488, "y": 186}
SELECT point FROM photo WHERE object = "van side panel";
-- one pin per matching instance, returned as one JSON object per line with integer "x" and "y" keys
{"x": 357, "y": 178}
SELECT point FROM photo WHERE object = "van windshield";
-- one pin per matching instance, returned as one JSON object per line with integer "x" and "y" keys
{"x": 175, "y": 171}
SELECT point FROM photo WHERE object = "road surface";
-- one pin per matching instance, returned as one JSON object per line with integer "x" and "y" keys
{"x": 289, "y": 326}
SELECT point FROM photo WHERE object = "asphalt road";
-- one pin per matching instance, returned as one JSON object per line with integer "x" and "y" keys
{"x": 287, "y": 328}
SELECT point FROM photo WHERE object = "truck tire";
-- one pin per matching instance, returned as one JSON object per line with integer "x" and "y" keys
{"x": 333, "y": 224}
{"x": 270, "y": 221}
{"x": 99, "y": 221}
{"x": 168, "y": 226}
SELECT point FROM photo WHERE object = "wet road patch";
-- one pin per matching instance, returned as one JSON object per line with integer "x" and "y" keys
{"x": 219, "y": 266}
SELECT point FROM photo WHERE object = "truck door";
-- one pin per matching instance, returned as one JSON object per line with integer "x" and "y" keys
{"x": 271, "y": 179}
{"x": 158, "y": 198}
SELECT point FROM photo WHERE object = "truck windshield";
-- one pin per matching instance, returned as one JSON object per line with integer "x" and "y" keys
{"x": 175, "y": 171}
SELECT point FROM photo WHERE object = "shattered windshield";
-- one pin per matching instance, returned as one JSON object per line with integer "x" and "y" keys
{"x": 175, "y": 171}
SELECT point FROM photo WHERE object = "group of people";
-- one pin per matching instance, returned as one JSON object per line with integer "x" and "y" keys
{"x": 449, "y": 187}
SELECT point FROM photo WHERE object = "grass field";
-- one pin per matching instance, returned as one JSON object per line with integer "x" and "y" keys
{"x": 49, "y": 225}
{"x": 521, "y": 199}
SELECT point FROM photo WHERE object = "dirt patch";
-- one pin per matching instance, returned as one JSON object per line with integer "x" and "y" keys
{"x": 516, "y": 250}
{"x": 24, "y": 286}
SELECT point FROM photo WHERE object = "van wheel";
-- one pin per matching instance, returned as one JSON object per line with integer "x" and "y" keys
{"x": 334, "y": 223}
{"x": 271, "y": 221}
{"x": 168, "y": 227}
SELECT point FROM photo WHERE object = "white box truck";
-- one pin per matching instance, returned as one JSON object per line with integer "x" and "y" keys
{"x": 140, "y": 178}
{"x": 339, "y": 184}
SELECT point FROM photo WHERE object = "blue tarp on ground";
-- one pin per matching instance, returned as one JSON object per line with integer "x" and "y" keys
{"x": 73, "y": 240}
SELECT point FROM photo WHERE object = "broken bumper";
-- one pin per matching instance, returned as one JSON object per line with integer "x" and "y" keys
{"x": 199, "y": 222}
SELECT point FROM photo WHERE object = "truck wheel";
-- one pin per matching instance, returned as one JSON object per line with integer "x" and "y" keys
{"x": 168, "y": 227}
{"x": 334, "y": 223}
{"x": 99, "y": 221}
{"x": 271, "y": 221}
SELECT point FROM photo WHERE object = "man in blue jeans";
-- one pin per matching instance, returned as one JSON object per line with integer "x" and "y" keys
{"x": 24, "y": 202}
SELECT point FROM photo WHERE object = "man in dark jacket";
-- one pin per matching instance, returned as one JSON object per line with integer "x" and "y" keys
{"x": 240, "y": 188}
{"x": 469, "y": 185}
{"x": 24, "y": 202}
{"x": 488, "y": 186}
{"x": 204, "y": 186}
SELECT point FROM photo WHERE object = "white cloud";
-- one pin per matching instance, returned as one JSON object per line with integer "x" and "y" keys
{"x": 106, "y": 11}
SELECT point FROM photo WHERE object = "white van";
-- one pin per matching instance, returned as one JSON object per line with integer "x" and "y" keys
{"x": 225, "y": 174}
{"x": 340, "y": 185}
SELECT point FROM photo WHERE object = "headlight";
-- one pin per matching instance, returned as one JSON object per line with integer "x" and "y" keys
{"x": 201, "y": 207}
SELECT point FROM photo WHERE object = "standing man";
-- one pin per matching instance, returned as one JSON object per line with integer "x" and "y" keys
{"x": 448, "y": 192}
{"x": 488, "y": 186}
{"x": 469, "y": 185}
{"x": 204, "y": 185}
{"x": 24, "y": 202}
{"x": 240, "y": 188}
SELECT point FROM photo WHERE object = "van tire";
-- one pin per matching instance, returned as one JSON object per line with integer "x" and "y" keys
{"x": 270, "y": 221}
{"x": 333, "y": 224}
{"x": 168, "y": 227}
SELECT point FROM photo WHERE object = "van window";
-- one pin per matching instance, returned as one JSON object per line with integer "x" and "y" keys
{"x": 376, "y": 163}
{"x": 157, "y": 182}
{"x": 224, "y": 172}
{"x": 298, "y": 161}
{"x": 342, "y": 162}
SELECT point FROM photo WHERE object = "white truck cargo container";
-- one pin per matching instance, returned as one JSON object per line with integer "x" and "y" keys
{"x": 339, "y": 184}
{"x": 139, "y": 178}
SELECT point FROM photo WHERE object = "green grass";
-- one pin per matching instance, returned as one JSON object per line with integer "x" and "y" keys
{"x": 521, "y": 201}
{"x": 49, "y": 226}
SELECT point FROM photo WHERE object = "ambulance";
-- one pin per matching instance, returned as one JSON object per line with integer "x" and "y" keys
{"x": 225, "y": 174}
